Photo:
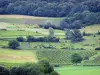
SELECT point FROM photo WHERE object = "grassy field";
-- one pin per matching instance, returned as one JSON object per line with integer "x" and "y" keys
{"x": 91, "y": 29}
{"x": 57, "y": 53}
{"x": 78, "y": 70}
{"x": 20, "y": 19}
{"x": 17, "y": 56}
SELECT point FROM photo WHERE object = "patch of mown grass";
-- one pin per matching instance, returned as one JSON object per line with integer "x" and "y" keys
{"x": 17, "y": 56}
{"x": 12, "y": 33}
{"x": 79, "y": 70}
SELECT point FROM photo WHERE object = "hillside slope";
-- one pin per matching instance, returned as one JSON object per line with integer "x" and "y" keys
{"x": 21, "y": 19}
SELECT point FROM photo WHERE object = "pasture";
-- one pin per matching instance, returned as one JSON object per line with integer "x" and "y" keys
{"x": 20, "y": 19}
{"x": 10, "y": 57}
{"x": 78, "y": 70}
{"x": 58, "y": 53}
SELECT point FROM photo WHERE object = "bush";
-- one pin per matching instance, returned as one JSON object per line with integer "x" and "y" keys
{"x": 52, "y": 39}
{"x": 42, "y": 39}
{"x": 4, "y": 71}
{"x": 30, "y": 39}
{"x": 46, "y": 68}
{"x": 76, "y": 36}
{"x": 98, "y": 33}
{"x": 26, "y": 69}
{"x": 98, "y": 48}
{"x": 20, "y": 39}
{"x": 76, "y": 58}
{"x": 54, "y": 73}
{"x": 17, "y": 71}
{"x": 13, "y": 44}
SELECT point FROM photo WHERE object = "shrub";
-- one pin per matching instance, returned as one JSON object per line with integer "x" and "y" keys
{"x": 17, "y": 71}
{"x": 76, "y": 58}
{"x": 76, "y": 36}
{"x": 42, "y": 39}
{"x": 46, "y": 68}
{"x": 4, "y": 71}
{"x": 54, "y": 73}
{"x": 98, "y": 48}
{"x": 13, "y": 44}
{"x": 30, "y": 39}
{"x": 52, "y": 39}
{"x": 20, "y": 39}
{"x": 98, "y": 33}
{"x": 26, "y": 69}
{"x": 84, "y": 33}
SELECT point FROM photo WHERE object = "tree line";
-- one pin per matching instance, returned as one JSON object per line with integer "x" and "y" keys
{"x": 43, "y": 67}
{"x": 50, "y": 8}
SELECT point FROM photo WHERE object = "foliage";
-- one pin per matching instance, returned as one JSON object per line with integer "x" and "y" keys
{"x": 30, "y": 38}
{"x": 20, "y": 39}
{"x": 54, "y": 73}
{"x": 98, "y": 32}
{"x": 42, "y": 39}
{"x": 76, "y": 58}
{"x": 4, "y": 71}
{"x": 74, "y": 35}
{"x": 41, "y": 68}
{"x": 57, "y": 57}
{"x": 46, "y": 68}
{"x": 51, "y": 33}
{"x": 80, "y": 19}
{"x": 13, "y": 44}
{"x": 98, "y": 48}
{"x": 48, "y": 8}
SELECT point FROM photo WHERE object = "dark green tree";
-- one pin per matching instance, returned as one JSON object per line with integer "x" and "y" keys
{"x": 20, "y": 39}
{"x": 4, "y": 71}
{"x": 13, "y": 44}
{"x": 46, "y": 68}
{"x": 76, "y": 58}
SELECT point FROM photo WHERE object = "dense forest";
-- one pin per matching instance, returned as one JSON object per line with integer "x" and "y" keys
{"x": 78, "y": 13}
{"x": 50, "y": 8}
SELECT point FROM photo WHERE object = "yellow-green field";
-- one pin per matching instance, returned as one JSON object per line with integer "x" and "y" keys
{"x": 79, "y": 70}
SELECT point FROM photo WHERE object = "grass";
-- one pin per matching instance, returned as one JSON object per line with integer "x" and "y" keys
{"x": 14, "y": 33}
{"x": 17, "y": 56}
{"x": 19, "y": 25}
{"x": 78, "y": 70}
{"x": 91, "y": 29}
{"x": 20, "y": 19}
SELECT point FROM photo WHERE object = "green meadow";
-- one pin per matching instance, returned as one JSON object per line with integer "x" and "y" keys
{"x": 57, "y": 53}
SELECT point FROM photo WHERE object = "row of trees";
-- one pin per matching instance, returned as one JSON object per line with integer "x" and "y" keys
{"x": 80, "y": 19}
{"x": 38, "y": 39}
{"x": 41, "y": 68}
{"x": 73, "y": 35}
{"x": 50, "y": 8}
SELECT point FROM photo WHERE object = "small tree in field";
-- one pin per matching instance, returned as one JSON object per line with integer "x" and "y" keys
{"x": 76, "y": 36}
{"x": 13, "y": 44}
{"x": 51, "y": 32}
{"x": 76, "y": 58}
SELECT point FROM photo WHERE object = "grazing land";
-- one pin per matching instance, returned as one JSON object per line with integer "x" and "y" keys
{"x": 57, "y": 53}
{"x": 79, "y": 70}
